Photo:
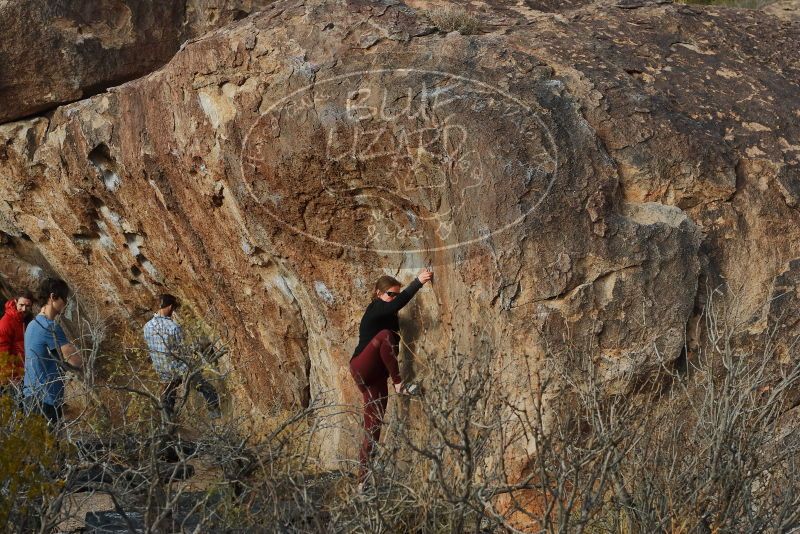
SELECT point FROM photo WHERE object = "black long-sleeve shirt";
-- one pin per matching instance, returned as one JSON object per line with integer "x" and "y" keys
{"x": 382, "y": 315}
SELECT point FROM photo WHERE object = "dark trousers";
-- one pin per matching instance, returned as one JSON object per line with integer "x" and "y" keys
{"x": 53, "y": 414}
{"x": 370, "y": 369}
{"x": 170, "y": 394}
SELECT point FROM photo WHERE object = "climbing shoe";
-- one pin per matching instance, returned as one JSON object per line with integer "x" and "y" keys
{"x": 411, "y": 389}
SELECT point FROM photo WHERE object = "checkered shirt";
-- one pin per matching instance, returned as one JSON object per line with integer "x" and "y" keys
{"x": 163, "y": 337}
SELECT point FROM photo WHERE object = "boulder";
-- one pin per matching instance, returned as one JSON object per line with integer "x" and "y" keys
{"x": 57, "y": 52}
{"x": 575, "y": 178}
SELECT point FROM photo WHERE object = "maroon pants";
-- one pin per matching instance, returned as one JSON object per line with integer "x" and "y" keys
{"x": 370, "y": 369}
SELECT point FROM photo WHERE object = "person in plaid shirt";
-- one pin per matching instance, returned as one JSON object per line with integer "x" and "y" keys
{"x": 164, "y": 339}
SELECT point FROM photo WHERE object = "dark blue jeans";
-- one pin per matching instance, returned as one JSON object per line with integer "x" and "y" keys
{"x": 54, "y": 414}
{"x": 199, "y": 383}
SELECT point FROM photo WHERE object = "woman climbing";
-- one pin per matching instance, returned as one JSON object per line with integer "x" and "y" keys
{"x": 375, "y": 357}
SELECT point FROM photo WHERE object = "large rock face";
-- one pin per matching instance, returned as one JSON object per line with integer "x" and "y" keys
{"x": 574, "y": 175}
{"x": 56, "y": 52}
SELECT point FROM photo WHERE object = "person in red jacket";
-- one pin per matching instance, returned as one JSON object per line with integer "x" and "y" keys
{"x": 12, "y": 338}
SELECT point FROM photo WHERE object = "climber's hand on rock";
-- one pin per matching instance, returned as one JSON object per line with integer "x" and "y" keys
{"x": 398, "y": 387}
{"x": 425, "y": 276}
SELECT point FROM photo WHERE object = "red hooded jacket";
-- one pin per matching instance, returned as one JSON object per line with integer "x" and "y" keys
{"x": 12, "y": 344}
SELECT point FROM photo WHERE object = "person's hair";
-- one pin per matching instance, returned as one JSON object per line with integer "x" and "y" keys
{"x": 165, "y": 299}
{"x": 384, "y": 283}
{"x": 53, "y": 286}
{"x": 25, "y": 294}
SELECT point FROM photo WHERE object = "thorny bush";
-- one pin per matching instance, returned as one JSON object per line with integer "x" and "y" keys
{"x": 486, "y": 448}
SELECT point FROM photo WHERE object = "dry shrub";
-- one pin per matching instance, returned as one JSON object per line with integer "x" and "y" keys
{"x": 484, "y": 449}
{"x": 700, "y": 450}
{"x": 454, "y": 19}
{"x": 705, "y": 449}
{"x": 747, "y": 4}
{"x": 29, "y": 457}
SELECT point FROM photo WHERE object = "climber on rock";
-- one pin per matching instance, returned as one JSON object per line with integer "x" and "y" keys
{"x": 375, "y": 358}
{"x": 48, "y": 353}
{"x": 164, "y": 339}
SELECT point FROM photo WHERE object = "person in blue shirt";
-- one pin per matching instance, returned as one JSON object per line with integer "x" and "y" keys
{"x": 164, "y": 339}
{"x": 48, "y": 353}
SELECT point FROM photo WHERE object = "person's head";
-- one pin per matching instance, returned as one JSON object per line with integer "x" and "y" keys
{"x": 387, "y": 288}
{"x": 167, "y": 304}
{"x": 54, "y": 293}
{"x": 24, "y": 302}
